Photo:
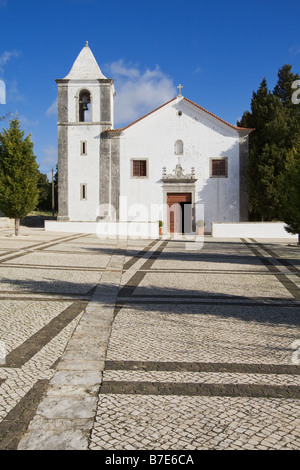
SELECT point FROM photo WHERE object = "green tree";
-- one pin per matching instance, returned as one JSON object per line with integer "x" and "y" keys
{"x": 284, "y": 89}
{"x": 291, "y": 191}
{"x": 55, "y": 185}
{"x": 266, "y": 161}
{"x": 18, "y": 173}
{"x": 277, "y": 129}
{"x": 45, "y": 193}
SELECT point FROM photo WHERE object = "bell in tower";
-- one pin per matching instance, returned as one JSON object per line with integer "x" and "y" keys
{"x": 84, "y": 101}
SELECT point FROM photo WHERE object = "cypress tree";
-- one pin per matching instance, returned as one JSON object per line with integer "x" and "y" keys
{"x": 284, "y": 89}
{"x": 18, "y": 173}
{"x": 267, "y": 117}
{"x": 277, "y": 129}
{"x": 290, "y": 184}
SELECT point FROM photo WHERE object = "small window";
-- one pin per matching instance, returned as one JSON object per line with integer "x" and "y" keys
{"x": 218, "y": 168}
{"x": 178, "y": 147}
{"x": 83, "y": 147}
{"x": 83, "y": 192}
{"x": 139, "y": 169}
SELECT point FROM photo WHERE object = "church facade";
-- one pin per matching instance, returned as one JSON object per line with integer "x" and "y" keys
{"x": 179, "y": 164}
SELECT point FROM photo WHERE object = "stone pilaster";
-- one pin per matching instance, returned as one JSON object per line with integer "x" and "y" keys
{"x": 63, "y": 205}
{"x": 244, "y": 155}
{"x": 115, "y": 176}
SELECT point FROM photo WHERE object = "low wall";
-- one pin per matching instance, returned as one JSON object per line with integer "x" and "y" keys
{"x": 107, "y": 229}
{"x": 5, "y": 222}
{"x": 251, "y": 230}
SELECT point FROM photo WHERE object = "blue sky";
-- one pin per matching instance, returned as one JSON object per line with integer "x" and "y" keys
{"x": 219, "y": 51}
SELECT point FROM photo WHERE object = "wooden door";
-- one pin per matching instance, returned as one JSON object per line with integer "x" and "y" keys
{"x": 176, "y": 202}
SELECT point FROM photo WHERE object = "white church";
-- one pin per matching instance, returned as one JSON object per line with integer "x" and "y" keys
{"x": 179, "y": 164}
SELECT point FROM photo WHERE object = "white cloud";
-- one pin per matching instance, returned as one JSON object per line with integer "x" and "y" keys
{"x": 294, "y": 50}
{"x": 5, "y": 57}
{"x": 138, "y": 92}
{"x": 52, "y": 108}
{"x": 27, "y": 122}
{"x": 118, "y": 69}
{"x": 13, "y": 92}
{"x": 49, "y": 157}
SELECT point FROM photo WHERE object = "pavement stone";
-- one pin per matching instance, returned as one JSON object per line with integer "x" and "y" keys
{"x": 148, "y": 344}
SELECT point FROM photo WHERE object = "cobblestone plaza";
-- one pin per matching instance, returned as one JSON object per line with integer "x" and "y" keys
{"x": 148, "y": 344}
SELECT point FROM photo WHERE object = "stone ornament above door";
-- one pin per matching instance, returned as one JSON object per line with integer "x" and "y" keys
{"x": 178, "y": 175}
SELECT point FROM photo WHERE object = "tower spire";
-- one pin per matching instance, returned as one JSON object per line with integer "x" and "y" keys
{"x": 85, "y": 66}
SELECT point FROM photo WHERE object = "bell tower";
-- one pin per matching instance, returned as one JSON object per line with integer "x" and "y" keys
{"x": 85, "y": 110}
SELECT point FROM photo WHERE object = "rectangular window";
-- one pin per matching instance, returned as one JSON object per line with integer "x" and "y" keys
{"x": 83, "y": 192}
{"x": 139, "y": 168}
{"x": 218, "y": 168}
{"x": 83, "y": 147}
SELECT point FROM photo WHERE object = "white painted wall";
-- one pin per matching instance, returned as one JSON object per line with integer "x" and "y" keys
{"x": 83, "y": 169}
{"x": 5, "y": 222}
{"x": 144, "y": 230}
{"x": 251, "y": 230}
{"x": 204, "y": 137}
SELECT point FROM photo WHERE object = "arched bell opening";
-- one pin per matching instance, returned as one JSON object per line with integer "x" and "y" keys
{"x": 84, "y": 106}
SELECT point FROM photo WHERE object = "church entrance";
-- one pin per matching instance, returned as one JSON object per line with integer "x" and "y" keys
{"x": 179, "y": 212}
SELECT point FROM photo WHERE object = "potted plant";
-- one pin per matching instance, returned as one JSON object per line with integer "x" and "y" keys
{"x": 200, "y": 226}
{"x": 160, "y": 224}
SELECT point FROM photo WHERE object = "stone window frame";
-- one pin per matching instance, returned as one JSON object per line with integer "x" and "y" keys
{"x": 179, "y": 187}
{"x": 83, "y": 148}
{"x": 178, "y": 141}
{"x": 211, "y": 175}
{"x": 131, "y": 168}
{"x": 83, "y": 191}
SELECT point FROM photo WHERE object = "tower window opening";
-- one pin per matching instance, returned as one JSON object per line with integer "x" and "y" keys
{"x": 83, "y": 147}
{"x": 83, "y": 192}
{"x": 84, "y": 106}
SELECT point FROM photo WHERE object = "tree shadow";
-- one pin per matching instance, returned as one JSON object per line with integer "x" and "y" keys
{"x": 47, "y": 287}
{"x": 205, "y": 254}
{"x": 37, "y": 221}
{"x": 168, "y": 301}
